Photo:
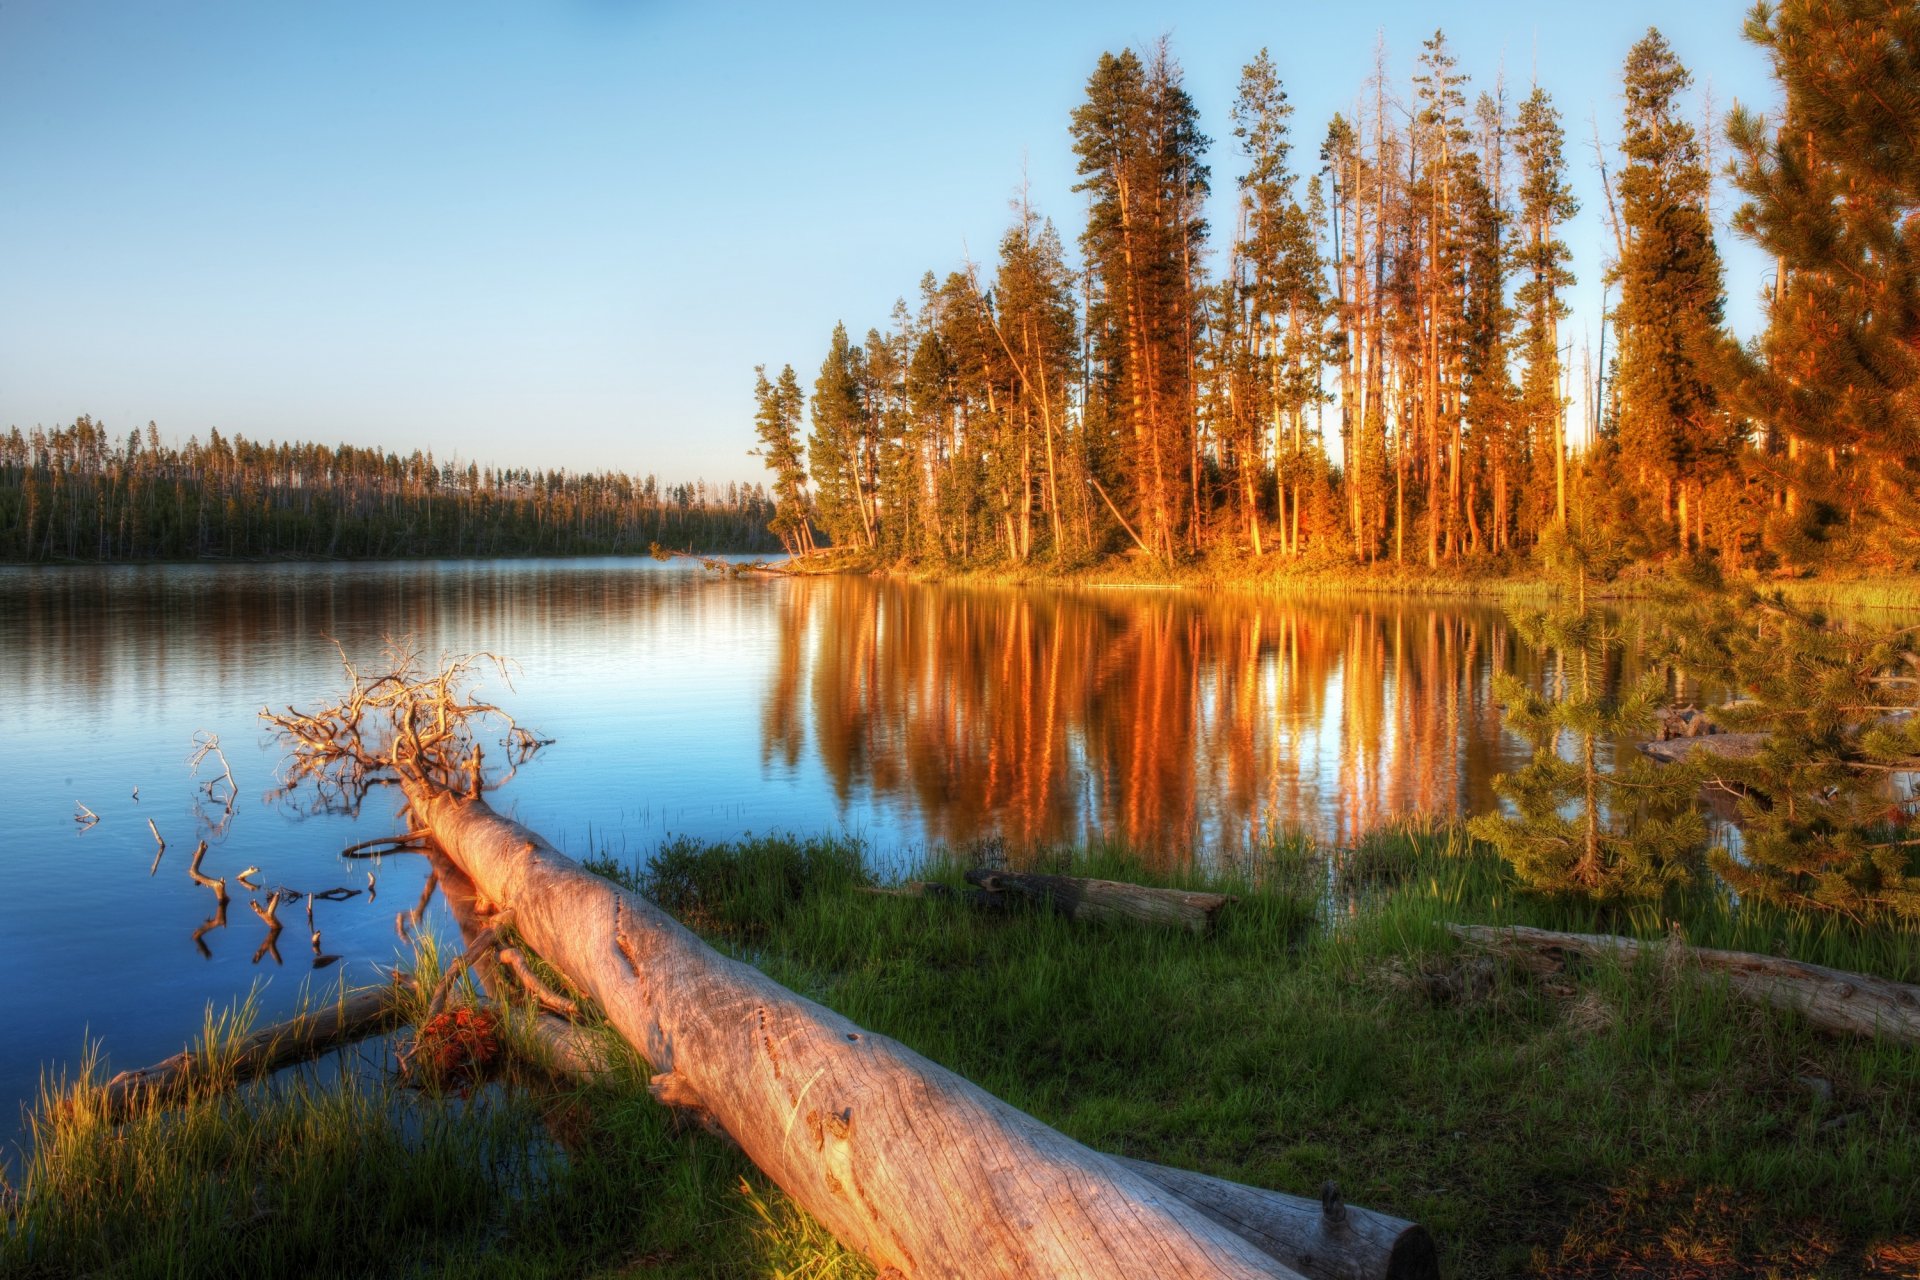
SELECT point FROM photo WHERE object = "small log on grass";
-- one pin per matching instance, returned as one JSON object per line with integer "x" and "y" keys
{"x": 1831, "y": 999}
{"x": 898, "y": 1157}
{"x": 358, "y": 1014}
{"x": 1082, "y": 899}
{"x": 1325, "y": 1239}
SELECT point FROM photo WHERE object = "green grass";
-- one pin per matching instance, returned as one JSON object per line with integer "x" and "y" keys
{"x": 1613, "y": 1119}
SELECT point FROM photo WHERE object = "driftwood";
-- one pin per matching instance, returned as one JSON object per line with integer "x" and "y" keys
{"x": 1731, "y": 746}
{"x": 1325, "y": 1239}
{"x": 1831, "y": 999}
{"x": 1322, "y": 1239}
{"x": 1082, "y": 899}
{"x": 355, "y": 1016}
{"x": 900, "y": 1158}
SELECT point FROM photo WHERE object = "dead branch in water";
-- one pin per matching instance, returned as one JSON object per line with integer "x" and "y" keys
{"x": 219, "y": 887}
{"x": 406, "y": 724}
{"x": 381, "y": 846}
{"x": 718, "y": 564}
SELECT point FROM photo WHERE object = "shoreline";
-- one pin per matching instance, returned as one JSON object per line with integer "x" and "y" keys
{"x": 1496, "y": 583}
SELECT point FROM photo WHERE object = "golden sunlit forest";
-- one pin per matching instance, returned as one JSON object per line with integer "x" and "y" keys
{"x": 1376, "y": 372}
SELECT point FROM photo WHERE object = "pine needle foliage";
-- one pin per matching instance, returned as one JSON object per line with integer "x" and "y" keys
{"x": 1586, "y": 820}
{"x": 1824, "y": 801}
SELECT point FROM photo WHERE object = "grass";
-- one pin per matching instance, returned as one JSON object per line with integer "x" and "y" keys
{"x": 1511, "y": 578}
{"x": 1614, "y": 1120}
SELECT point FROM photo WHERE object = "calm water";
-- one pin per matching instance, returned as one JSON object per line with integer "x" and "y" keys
{"x": 910, "y": 715}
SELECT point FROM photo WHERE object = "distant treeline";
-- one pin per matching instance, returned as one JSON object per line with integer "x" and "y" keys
{"x": 1379, "y": 368}
{"x": 74, "y": 494}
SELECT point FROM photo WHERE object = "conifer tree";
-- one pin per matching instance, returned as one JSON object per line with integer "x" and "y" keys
{"x": 1581, "y": 824}
{"x": 777, "y": 423}
{"x": 1541, "y": 257}
{"x": 838, "y": 447}
{"x": 1140, "y": 149}
{"x": 1822, "y": 819}
{"x": 1278, "y": 260}
{"x": 1672, "y": 348}
{"x": 1833, "y": 189}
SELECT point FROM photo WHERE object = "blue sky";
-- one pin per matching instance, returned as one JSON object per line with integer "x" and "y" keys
{"x": 563, "y": 233}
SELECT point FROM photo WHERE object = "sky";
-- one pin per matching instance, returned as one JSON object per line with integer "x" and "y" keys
{"x": 562, "y": 233}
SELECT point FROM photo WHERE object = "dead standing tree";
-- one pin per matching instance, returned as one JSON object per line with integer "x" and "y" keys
{"x": 908, "y": 1163}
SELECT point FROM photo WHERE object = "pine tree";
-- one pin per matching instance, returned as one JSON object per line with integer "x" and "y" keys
{"x": 1672, "y": 348}
{"x": 838, "y": 447}
{"x": 1140, "y": 148}
{"x": 1833, "y": 188}
{"x": 1277, "y": 286}
{"x": 777, "y": 423}
{"x": 1541, "y": 257}
{"x": 1628, "y": 829}
{"x": 1837, "y": 713}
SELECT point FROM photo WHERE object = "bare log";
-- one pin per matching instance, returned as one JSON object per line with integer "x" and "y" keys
{"x": 1082, "y": 899}
{"x": 1325, "y": 1239}
{"x": 900, "y": 1158}
{"x": 355, "y": 1016}
{"x": 1730, "y": 746}
{"x": 1831, "y": 999}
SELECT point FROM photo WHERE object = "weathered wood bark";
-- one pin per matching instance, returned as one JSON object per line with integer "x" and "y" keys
{"x": 900, "y": 1158}
{"x": 1082, "y": 899}
{"x": 366, "y": 1012}
{"x": 1832, "y": 999}
{"x": 1733, "y": 746}
{"x": 1323, "y": 1239}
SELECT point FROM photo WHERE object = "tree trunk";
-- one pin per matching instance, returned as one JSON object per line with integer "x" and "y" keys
{"x": 900, "y": 1158}
{"x": 1082, "y": 899}
{"x": 1831, "y": 999}
{"x": 1324, "y": 1239}
{"x": 355, "y": 1016}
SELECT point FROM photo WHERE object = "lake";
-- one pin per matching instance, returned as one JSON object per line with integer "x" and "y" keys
{"x": 1190, "y": 726}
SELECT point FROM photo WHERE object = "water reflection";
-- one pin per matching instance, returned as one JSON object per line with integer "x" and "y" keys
{"x": 683, "y": 703}
{"x": 1174, "y": 721}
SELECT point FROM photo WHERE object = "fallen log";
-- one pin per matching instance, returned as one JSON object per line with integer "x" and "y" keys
{"x": 368, "y": 1011}
{"x": 1325, "y": 1239}
{"x": 1082, "y": 899}
{"x": 1728, "y": 746}
{"x": 1832, "y": 999}
{"x": 901, "y": 1159}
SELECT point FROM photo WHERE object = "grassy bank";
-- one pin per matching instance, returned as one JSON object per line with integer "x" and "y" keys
{"x": 1609, "y": 1121}
{"x": 1507, "y": 579}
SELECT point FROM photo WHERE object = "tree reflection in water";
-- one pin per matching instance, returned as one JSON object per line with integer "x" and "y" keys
{"x": 1173, "y": 721}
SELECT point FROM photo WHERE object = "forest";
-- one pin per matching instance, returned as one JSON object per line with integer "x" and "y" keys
{"x": 73, "y": 494}
{"x": 1378, "y": 373}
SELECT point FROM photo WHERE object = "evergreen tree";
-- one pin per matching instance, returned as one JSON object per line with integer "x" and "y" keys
{"x": 777, "y": 423}
{"x": 1541, "y": 257}
{"x": 1833, "y": 189}
{"x": 838, "y": 448}
{"x": 1836, "y": 714}
{"x": 1624, "y": 829}
{"x": 1276, "y": 285}
{"x": 1672, "y": 348}
{"x": 1140, "y": 148}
